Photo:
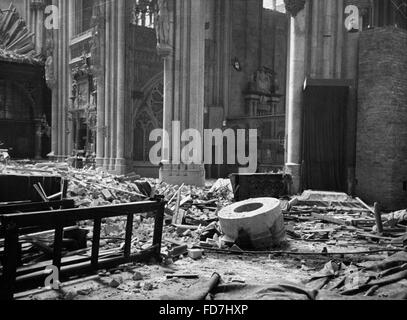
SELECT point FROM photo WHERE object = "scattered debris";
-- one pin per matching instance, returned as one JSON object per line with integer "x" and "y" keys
{"x": 137, "y": 276}
{"x": 195, "y": 254}
{"x": 317, "y": 226}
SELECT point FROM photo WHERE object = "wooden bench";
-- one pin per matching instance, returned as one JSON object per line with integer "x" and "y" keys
{"x": 15, "y": 280}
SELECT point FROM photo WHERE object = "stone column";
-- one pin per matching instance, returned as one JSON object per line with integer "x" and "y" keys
{"x": 52, "y": 74}
{"x": 295, "y": 91}
{"x": 107, "y": 89}
{"x": 113, "y": 83}
{"x": 351, "y": 70}
{"x": 121, "y": 87}
{"x": 184, "y": 83}
{"x": 98, "y": 60}
{"x": 37, "y": 23}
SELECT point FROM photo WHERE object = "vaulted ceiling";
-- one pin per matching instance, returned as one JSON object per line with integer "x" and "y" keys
{"x": 16, "y": 41}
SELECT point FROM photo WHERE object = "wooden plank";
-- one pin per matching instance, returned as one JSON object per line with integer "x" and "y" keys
{"x": 158, "y": 230}
{"x": 129, "y": 234}
{"x": 97, "y": 227}
{"x": 36, "y": 206}
{"x": 66, "y": 216}
{"x": 10, "y": 264}
{"x": 365, "y": 205}
{"x": 59, "y": 218}
{"x": 58, "y": 239}
{"x": 329, "y": 219}
{"x": 378, "y": 217}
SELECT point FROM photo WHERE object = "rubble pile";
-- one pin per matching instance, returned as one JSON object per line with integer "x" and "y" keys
{"x": 191, "y": 212}
{"x": 320, "y": 227}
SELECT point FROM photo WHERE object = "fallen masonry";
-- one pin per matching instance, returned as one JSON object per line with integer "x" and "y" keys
{"x": 319, "y": 245}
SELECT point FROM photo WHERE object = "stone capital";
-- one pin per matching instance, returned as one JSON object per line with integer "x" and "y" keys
{"x": 294, "y": 6}
{"x": 37, "y": 5}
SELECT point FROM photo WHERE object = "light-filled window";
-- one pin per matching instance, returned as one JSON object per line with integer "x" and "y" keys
{"x": 389, "y": 13}
{"x": 276, "y": 5}
{"x": 83, "y": 15}
{"x": 143, "y": 13}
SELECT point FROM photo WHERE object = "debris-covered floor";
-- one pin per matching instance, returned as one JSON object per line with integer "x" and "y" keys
{"x": 332, "y": 248}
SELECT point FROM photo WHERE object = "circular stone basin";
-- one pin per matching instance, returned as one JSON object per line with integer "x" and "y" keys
{"x": 261, "y": 219}
{"x": 249, "y": 207}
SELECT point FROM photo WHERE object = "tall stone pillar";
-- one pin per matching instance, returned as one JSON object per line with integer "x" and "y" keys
{"x": 113, "y": 83}
{"x": 121, "y": 87}
{"x": 181, "y": 37}
{"x": 295, "y": 90}
{"x": 108, "y": 87}
{"x": 98, "y": 59}
{"x": 37, "y": 21}
{"x": 51, "y": 77}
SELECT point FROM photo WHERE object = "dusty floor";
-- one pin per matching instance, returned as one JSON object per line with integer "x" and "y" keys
{"x": 154, "y": 284}
{"x": 321, "y": 236}
{"x": 231, "y": 268}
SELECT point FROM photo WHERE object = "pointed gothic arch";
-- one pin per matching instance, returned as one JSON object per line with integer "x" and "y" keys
{"x": 148, "y": 115}
{"x": 16, "y": 41}
{"x": 24, "y": 108}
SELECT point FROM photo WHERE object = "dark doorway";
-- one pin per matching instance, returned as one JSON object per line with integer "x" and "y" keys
{"x": 324, "y": 138}
{"x": 17, "y": 129}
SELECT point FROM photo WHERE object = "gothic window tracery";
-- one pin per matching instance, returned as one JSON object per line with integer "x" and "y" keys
{"x": 83, "y": 15}
{"x": 149, "y": 116}
{"x": 143, "y": 13}
{"x": 389, "y": 12}
{"x": 14, "y": 103}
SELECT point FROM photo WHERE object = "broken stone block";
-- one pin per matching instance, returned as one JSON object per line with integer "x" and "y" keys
{"x": 137, "y": 276}
{"x": 148, "y": 286}
{"x": 107, "y": 195}
{"x": 84, "y": 292}
{"x": 70, "y": 295}
{"x": 195, "y": 254}
{"x": 116, "y": 282}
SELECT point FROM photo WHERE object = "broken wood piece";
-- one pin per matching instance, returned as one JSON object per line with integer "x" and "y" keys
{"x": 183, "y": 276}
{"x": 198, "y": 291}
{"x": 178, "y": 251}
{"x": 40, "y": 192}
{"x": 365, "y": 205}
{"x": 123, "y": 191}
{"x": 62, "y": 188}
{"x": 378, "y": 217}
{"x": 178, "y": 213}
{"x": 183, "y": 228}
{"x": 371, "y": 291}
{"x": 177, "y": 205}
{"x": 185, "y": 200}
{"x": 326, "y": 218}
{"x": 373, "y": 236}
{"x": 175, "y": 194}
{"x": 56, "y": 196}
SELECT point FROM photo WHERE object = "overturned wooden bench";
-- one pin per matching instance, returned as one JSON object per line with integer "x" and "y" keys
{"x": 15, "y": 279}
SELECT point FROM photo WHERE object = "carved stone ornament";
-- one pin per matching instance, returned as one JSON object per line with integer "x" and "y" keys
{"x": 37, "y": 5}
{"x": 294, "y": 6}
{"x": 263, "y": 82}
{"x": 49, "y": 62}
{"x": 164, "y": 23}
{"x": 98, "y": 25}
